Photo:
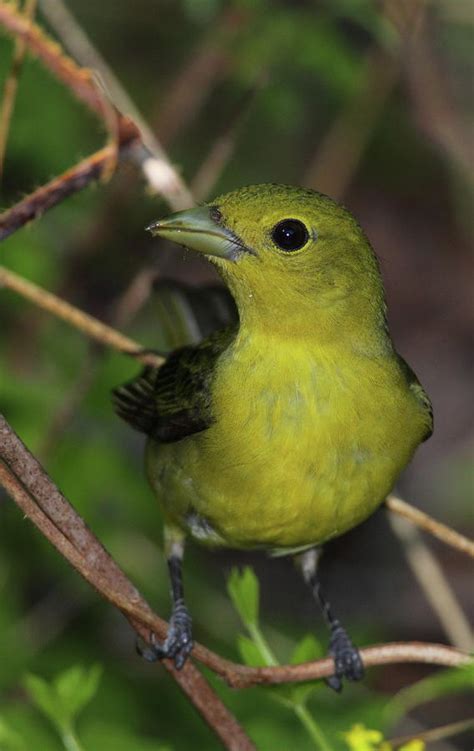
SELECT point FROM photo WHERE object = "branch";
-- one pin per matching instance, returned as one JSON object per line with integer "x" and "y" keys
{"x": 161, "y": 175}
{"x": 73, "y": 180}
{"x": 157, "y": 169}
{"x": 48, "y": 509}
{"x": 437, "y": 529}
{"x": 434, "y": 734}
{"x": 11, "y": 84}
{"x": 433, "y": 582}
{"x": 80, "y": 81}
{"x": 40, "y": 500}
{"x": 84, "y": 322}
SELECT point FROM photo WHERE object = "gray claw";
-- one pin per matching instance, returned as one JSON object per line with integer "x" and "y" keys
{"x": 178, "y": 643}
{"x": 347, "y": 659}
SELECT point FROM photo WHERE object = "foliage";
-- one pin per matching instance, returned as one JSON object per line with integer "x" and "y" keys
{"x": 414, "y": 199}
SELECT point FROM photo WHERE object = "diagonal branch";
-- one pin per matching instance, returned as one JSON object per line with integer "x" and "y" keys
{"x": 73, "y": 180}
{"x": 80, "y": 81}
{"x": 428, "y": 524}
{"x": 46, "y": 507}
{"x": 86, "y": 323}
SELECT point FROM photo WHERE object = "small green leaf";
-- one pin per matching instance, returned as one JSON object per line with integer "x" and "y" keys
{"x": 250, "y": 652}
{"x": 45, "y": 698}
{"x": 76, "y": 686}
{"x": 307, "y": 649}
{"x": 63, "y": 699}
{"x": 244, "y": 592}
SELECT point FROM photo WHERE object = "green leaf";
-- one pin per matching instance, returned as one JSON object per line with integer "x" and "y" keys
{"x": 76, "y": 687}
{"x": 250, "y": 652}
{"x": 45, "y": 698}
{"x": 307, "y": 649}
{"x": 244, "y": 591}
{"x": 63, "y": 699}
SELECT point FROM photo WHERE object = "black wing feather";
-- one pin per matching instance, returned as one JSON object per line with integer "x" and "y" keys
{"x": 173, "y": 401}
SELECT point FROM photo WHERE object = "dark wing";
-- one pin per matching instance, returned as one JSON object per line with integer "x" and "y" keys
{"x": 174, "y": 401}
{"x": 420, "y": 394}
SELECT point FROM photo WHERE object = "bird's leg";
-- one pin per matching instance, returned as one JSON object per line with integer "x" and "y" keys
{"x": 347, "y": 660}
{"x": 179, "y": 642}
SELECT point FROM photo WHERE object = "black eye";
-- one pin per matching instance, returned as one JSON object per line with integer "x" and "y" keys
{"x": 290, "y": 234}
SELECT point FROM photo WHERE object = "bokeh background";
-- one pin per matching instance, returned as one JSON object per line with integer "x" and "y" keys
{"x": 368, "y": 102}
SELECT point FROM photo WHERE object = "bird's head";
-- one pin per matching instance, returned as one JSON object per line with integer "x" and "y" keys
{"x": 295, "y": 261}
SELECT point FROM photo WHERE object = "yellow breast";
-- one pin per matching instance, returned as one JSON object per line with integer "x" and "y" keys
{"x": 305, "y": 444}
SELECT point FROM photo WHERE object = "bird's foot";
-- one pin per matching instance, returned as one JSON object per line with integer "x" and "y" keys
{"x": 178, "y": 643}
{"x": 347, "y": 659}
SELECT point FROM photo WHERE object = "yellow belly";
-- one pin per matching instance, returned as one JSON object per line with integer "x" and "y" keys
{"x": 301, "y": 449}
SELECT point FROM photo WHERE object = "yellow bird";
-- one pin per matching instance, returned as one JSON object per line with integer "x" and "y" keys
{"x": 291, "y": 427}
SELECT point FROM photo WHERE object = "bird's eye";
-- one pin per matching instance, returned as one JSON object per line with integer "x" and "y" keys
{"x": 290, "y": 234}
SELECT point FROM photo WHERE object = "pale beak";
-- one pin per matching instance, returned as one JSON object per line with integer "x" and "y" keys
{"x": 198, "y": 230}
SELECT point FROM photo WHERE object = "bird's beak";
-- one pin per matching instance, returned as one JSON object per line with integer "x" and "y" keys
{"x": 198, "y": 230}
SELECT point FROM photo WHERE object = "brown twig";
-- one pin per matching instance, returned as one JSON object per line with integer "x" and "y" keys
{"x": 428, "y": 524}
{"x": 42, "y": 502}
{"x": 80, "y": 81}
{"x": 434, "y": 734}
{"x": 11, "y": 84}
{"x": 161, "y": 175}
{"x": 47, "y": 508}
{"x": 82, "y": 321}
{"x": 73, "y": 180}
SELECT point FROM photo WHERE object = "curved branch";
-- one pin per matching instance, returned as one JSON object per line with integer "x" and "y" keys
{"x": 38, "y": 497}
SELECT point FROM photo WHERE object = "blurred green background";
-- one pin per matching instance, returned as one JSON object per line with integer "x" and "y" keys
{"x": 369, "y": 102}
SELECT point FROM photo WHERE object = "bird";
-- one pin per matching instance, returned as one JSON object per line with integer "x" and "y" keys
{"x": 291, "y": 426}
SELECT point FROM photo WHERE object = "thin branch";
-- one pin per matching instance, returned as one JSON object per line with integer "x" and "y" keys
{"x": 433, "y": 583}
{"x": 80, "y": 81}
{"x": 161, "y": 175}
{"x": 11, "y": 84}
{"x": 428, "y": 524}
{"x": 434, "y": 734}
{"x": 84, "y": 322}
{"x": 43, "y": 503}
{"x": 73, "y": 180}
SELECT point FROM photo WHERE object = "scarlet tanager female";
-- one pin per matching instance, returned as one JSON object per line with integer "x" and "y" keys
{"x": 291, "y": 427}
